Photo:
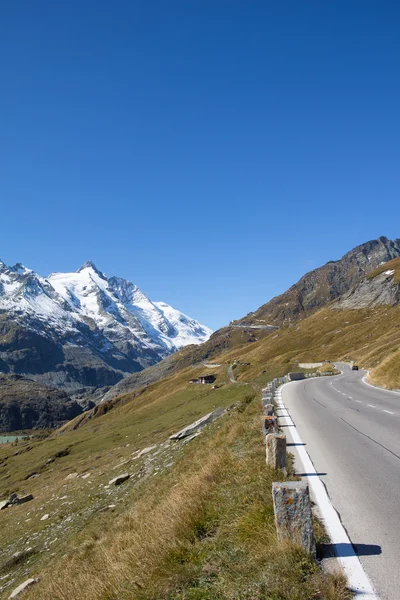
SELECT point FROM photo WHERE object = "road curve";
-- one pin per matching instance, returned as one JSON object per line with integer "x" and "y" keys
{"x": 352, "y": 434}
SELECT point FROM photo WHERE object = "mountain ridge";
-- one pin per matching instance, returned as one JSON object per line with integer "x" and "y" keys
{"x": 84, "y": 329}
{"x": 320, "y": 286}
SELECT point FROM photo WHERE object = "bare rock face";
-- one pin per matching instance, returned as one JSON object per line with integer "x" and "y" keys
{"x": 27, "y": 404}
{"x": 319, "y": 287}
{"x": 380, "y": 290}
{"x": 84, "y": 330}
{"x": 293, "y": 516}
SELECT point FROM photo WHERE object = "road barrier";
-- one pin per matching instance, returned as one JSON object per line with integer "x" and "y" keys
{"x": 276, "y": 456}
{"x": 292, "y": 506}
{"x": 293, "y": 515}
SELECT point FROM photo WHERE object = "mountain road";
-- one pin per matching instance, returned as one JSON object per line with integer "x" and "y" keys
{"x": 352, "y": 434}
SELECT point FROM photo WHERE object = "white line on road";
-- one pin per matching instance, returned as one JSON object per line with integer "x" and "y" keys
{"x": 359, "y": 401}
{"x": 389, "y": 412}
{"x": 357, "y": 577}
{"x": 371, "y": 405}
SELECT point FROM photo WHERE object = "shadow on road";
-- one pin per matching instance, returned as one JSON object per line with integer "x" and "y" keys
{"x": 311, "y": 474}
{"x": 330, "y": 550}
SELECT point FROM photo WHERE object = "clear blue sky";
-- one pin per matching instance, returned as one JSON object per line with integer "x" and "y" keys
{"x": 212, "y": 151}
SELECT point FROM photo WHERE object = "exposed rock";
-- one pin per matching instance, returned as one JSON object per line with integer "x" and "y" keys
{"x": 45, "y": 517}
{"x": 198, "y": 425}
{"x": 380, "y": 290}
{"x": 71, "y": 476}
{"x": 4, "y": 504}
{"x": 119, "y": 479}
{"x": 27, "y": 404}
{"x": 24, "y": 586}
{"x": 319, "y": 287}
{"x": 17, "y": 558}
{"x": 84, "y": 330}
{"x": 141, "y": 453}
{"x": 23, "y": 499}
{"x": 15, "y": 499}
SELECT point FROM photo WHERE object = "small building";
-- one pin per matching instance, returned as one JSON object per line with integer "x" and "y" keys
{"x": 207, "y": 379}
{"x": 204, "y": 379}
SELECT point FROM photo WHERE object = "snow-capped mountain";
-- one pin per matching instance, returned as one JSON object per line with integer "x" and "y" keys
{"x": 83, "y": 328}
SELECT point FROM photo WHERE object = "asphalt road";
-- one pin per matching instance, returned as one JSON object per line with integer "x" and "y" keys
{"x": 352, "y": 434}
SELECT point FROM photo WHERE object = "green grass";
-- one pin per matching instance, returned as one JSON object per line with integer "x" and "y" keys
{"x": 204, "y": 530}
{"x": 194, "y": 521}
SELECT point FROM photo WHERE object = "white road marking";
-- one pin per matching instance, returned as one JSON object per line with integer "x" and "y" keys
{"x": 357, "y": 577}
{"x": 387, "y": 411}
{"x": 371, "y": 405}
{"x": 350, "y": 397}
{"x": 359, "y": 401}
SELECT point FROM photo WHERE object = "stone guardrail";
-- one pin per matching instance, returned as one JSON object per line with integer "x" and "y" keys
{"x": 291, "y": 499}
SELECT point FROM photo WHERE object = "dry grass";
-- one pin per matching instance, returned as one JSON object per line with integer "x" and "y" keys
{"x": 203, "y": 531}
{"x": 205, "y": 528}
{"x": 388, "y": 266}
{"x": 387, "y": 374}
{"x": 367, "y": 336}
{"x": 328, "y": 368}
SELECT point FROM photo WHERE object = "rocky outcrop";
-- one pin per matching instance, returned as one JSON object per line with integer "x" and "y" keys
{"x": 23, "y": 587}
{"x": 27, "y": 404}
{"x": 325, "y": 284}
{"x": 375, "y": 291}
{"x": 198, "y": 425}
{"x": 119, "y": 479}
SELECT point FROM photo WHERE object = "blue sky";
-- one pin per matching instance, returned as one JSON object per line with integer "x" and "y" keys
{"x": 210, "y": 151}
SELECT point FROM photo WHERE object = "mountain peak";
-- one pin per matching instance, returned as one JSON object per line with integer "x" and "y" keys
{"x": 89, "y": 264}
{"x": 20, "y": 269}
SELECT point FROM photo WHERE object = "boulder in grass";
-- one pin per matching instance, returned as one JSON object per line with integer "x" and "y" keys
{"x": 15, "y": 499}
{"x": 120, "y": 479}
{"x": 23, "y": 499}
{"x": 21, "y": 588}
{"x": 198, "y": 425}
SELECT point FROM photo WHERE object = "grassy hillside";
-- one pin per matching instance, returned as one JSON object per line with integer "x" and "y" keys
{"x": 194, "y": 521}
{"x": 367, "y": 336}
{"x": 391, "y": 265}
{"x": 203, "y": 529}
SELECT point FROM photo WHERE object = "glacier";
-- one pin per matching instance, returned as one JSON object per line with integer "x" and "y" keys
{"x": 103, "y": 322}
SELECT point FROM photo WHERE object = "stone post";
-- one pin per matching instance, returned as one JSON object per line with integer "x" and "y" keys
{"x": 276, "y": 451}
{"x": 270, "y": 424}
{"x": 293, "y": 517}
{"x": 269, "y": 410}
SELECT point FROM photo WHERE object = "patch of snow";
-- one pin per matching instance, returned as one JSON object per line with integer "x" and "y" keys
{"x": 115, "y": 309}
{"x": 390, "y": 272}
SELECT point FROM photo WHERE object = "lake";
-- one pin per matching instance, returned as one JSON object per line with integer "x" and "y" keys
{"x": 10, "y": 438}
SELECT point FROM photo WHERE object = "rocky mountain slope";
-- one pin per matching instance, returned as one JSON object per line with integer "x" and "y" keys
{"x": 83, "y": 329}
{"x": 380, "y": 287}
{"x": 27, "y": 404}
{"x": 362, "y": 276}
{"x": 319, "y": 287}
